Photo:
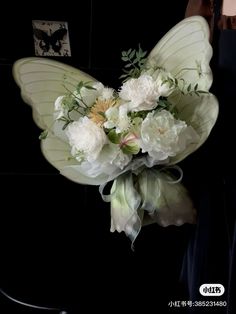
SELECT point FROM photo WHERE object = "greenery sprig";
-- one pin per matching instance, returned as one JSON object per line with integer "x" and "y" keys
{"x": 74, "y": 102}
{"x": 135, "y": 60}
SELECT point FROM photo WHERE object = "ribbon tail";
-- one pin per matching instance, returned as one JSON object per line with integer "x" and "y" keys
{"x": 125, "y": 201}
{"x": 166, "y": 201}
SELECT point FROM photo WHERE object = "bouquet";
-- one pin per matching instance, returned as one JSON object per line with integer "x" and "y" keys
{"x": 135, "y": 136}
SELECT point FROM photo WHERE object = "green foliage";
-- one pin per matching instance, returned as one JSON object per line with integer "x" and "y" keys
{"x": 138, "y": 114}
{"x": 193, "y": 90}
{"x": 135, "y": 63}
{"x": 74, "y": 102}
{"x": 43, "y": 135}
{"x": 82, "y": 84}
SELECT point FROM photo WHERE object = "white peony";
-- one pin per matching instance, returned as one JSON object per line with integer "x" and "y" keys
{"x": 163, "y": 136}
{"x": 140, "y": 94}
{"x": 86, "y": 138}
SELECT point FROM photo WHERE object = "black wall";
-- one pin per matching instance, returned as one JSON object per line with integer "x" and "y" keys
{"x": 56, "y": 247}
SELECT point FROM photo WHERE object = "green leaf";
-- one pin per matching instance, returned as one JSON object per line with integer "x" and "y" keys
{"x": 132, "y": 54}
{"x": 123, "y": 76}
{"x": 79, "y": 86}
{"x": 136, "y": 62}
{"x": 89, "y": 87}
{"x": 66, "y": 125}
{"x": 43, "y": 135}
{"x": 102, "y": 114}
{"x": 143, "y": 54}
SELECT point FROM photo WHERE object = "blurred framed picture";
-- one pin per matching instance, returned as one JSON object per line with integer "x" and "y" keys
{"x": 51, "y": 38}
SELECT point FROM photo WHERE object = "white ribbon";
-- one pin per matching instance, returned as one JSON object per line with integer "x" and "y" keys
{"x": 151, "y": 196}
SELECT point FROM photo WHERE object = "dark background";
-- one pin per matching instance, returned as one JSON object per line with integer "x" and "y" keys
{"x": 56, "y": 247}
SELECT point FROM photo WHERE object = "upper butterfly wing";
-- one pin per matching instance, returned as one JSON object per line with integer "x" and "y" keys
{"x": 41, "y": 81}
{"x": 185, "y": 52}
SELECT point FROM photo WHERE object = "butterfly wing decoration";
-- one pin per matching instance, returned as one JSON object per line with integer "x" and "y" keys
{"x": 50, "y": 41}
{"x": 185, "y": 52}
{"x": 185, "y": 46}
{"x": 41, "y": 81}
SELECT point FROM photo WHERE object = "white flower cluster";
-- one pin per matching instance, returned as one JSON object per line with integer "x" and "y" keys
{"x": 109, "y": 131}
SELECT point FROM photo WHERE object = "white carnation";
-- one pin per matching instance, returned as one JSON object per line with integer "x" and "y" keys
{"x": 86, "y": 137}
{"x": 140, "y": 93}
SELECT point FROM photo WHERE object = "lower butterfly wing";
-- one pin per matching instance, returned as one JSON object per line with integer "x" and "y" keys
{"x": 58, "y": 154}
{"x": 185, "y": 52}
{"x": 41, "y": 81}
{"x": 198, "y": 112}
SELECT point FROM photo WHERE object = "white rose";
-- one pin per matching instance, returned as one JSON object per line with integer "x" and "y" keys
{"x": 86, "y": 137}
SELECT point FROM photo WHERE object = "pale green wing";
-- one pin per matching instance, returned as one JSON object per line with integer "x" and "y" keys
{"x": 185, "y": 52}
{"x": 57, "y": 152}
{"x": 41, "y": 81}
{"x": 199, "y": 112}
